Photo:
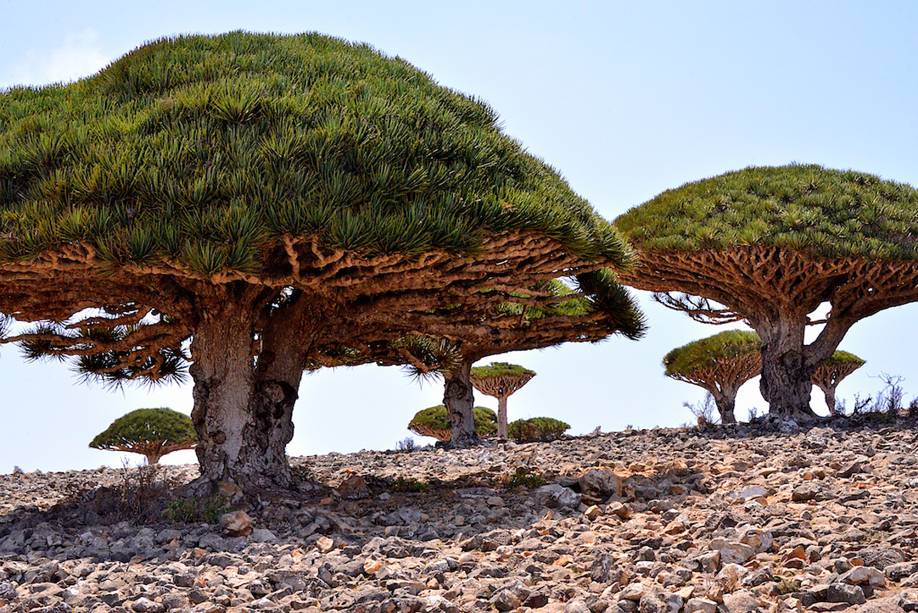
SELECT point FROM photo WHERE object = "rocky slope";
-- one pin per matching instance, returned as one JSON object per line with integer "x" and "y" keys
{"x": 658, "y": 520}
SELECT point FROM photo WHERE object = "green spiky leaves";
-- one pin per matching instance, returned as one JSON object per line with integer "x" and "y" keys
{"x": 708, "y": 352}
{"x": 207, "y": 150}
{"x": 824, "y": 212}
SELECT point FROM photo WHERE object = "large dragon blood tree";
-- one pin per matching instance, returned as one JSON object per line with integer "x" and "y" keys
{"x": 501, "y": 380}
{"x": 831, "y": 372}
{"x": 769, "y": 245}
{"x": 591, "y": 309}
{"x": 720, "y": 364}
{"x": 255, "y": 200}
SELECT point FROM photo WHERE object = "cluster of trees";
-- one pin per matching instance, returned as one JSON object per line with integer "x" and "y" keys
{"x": 241, "y": 209}
{"x": 722, "y": 363}
{"x": 434, "y": 422}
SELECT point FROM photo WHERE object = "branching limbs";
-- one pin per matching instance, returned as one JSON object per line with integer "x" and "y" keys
{"x": 698, "y": 308}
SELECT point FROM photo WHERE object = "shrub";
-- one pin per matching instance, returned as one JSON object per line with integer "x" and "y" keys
{"x": 434, "y": 421}
{"x": 537, "y": 429}
{"x": 150, "y": 432}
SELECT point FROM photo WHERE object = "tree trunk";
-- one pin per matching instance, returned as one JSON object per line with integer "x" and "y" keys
{"x": 786, "y": 380}
{"x": 502, "y": 417}
{"x": 726, "y": 405}
{"x": 459, "y": 400}
{"x": 242, "y": 409}
{"x": 829, "y": 392}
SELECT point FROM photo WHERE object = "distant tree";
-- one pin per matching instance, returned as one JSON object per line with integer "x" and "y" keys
{"x": 434, "y": 422}
{"x": 831, "y": 372}
{"x": 150, "y": 432}
{"x": 769, "y": 245}
{"x": 537, "y": 429}
{"x": 265, "y": 202}
{"x": 543, "y": 315}
{"x": 501, "y": 380}
{"x": 720, "y": 364}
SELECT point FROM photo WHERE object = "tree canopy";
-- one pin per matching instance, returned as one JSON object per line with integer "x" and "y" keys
{"x": 150, "y": 432}
{"x": 239, "y": 154}
{"x": 708, "y": 352}
{"x": 501, "y": 369}
{"x": 824, "y": 212}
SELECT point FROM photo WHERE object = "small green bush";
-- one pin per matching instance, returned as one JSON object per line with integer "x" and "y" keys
{"x": 434, "y": 421}
{"x": 537, "y": 429}
{"x": 523, "y": 477}
{"x": 193, "y": 510}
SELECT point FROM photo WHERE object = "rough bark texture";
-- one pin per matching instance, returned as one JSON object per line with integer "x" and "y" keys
{"x": 502, "y": 417}
{"x": 459, "y": 401}
{"x": 786, "y": 380}
{"x": 829, "y": 392}
{"x": 725, "y": 400}
{"x": 242, "y": 408}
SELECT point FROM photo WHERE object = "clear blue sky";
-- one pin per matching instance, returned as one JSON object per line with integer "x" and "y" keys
{"x": 627, "y": 99}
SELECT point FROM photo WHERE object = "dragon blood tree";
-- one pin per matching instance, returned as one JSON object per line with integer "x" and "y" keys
{"x": 150, "y": 432}
{"x": 831, "y": 372}
{"x": 434, "y": 422}
{"x": 720, "y": 364}
{"x": 769, "y": 245}
{"x": 260, "y": 200}
{"x": 501, "y": 380}
{"x": 543, "y": 315}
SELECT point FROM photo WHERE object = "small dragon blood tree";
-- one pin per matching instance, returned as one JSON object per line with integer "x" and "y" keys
{"x": 537, "y": 429}
{"x": 261, "y": 201}
{"x": 593, "y": 308}
{"x": 501, "y": 380}
{"x": 434, "y": 422}
{"x": 720, "y": 364}
{"x": 831, "y": 372}
{"x": 150, "y": 432}
{"x": 769, "y": 245}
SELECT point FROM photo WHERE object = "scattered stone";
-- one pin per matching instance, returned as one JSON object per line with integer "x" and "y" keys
{"x": 236, "y": 523}
{"x": 864, "y": 575}
{"x": 556, "y": 496}
{"x": 654, "y": 521}
{"x": 353, "y": 488}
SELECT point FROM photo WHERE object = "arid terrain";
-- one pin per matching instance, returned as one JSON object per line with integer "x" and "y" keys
{"x": 748, "y": 519}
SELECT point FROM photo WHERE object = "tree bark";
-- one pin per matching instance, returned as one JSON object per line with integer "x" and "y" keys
{"x": 243, "y": 407}
{"x": 786, "y": 381}
{"x": 829, "y": 393}
{"x": 726, "y": 405}
{"x": 502, "y": 417}
{"x": 459, "y": 401}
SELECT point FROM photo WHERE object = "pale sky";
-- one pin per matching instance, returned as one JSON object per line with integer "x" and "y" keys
{"x": 626, "y": 99}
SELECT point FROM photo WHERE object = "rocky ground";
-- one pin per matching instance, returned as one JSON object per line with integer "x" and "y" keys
{"x": 660, "y": 520}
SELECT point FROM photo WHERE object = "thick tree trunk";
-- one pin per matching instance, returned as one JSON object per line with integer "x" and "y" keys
{"x": 786, "y": 380}
{"x": 459, "y": 401}
{"x": 829, "y": 393}
{"x": 242, "y": 409}
{"x": 726, "y": 405}
{"x": 502, "y": 417}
